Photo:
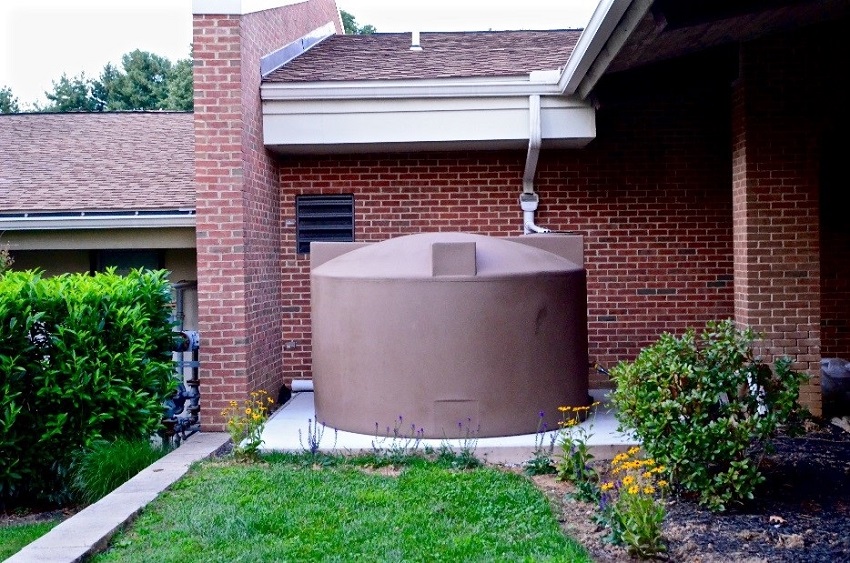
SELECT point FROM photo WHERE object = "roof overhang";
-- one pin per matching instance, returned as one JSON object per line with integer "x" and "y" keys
{"x": 610, "y": 26}
{"x": 419, "y": 115}
{"x": 63, "y": 220}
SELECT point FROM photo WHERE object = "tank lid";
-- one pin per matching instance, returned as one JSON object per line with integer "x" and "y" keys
{"x": 444, "y": 255}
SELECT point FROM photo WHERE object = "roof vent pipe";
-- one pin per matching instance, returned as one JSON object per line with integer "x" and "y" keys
{"x": 414, "y": 41}
{"x": 528, "y": 200}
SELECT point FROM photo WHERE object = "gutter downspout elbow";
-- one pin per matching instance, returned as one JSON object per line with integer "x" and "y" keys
{"x": 528, "y": 200}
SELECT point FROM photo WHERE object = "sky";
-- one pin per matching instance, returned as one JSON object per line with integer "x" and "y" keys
{"x": 41, "y": 39}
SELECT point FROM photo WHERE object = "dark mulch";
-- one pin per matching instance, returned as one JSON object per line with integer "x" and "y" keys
{"x": 800, "y": 514}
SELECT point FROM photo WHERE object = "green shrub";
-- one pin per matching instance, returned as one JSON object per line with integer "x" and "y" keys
{"x": 707, "y": 409}
{"x": 82, "y": 358}
{"x": 105, "y": 466}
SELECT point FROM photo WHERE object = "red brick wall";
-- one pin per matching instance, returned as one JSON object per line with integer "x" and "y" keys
{"x": 776, "y": 205}
{"x": 239, "y": 282}
{"x": 651, "y": 195}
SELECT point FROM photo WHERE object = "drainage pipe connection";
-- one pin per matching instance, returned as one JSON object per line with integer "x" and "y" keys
{"x": 528, "y": 200}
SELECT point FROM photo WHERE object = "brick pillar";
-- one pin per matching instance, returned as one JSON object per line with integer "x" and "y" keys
{"x": 775, "y": 209}
{"x": 238, "y": 201}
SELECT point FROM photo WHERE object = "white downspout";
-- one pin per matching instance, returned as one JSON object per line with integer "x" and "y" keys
{"x": 528, "y": 200}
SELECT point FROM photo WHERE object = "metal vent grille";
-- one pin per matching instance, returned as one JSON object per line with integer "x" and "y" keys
{"x": 323, "y": 218}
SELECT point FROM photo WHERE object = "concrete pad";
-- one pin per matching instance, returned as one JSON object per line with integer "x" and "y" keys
{"x": 90, "y": 530}
{"x": 287, "y": 430}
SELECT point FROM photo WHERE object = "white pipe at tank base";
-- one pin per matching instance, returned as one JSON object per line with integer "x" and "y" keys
{"x": 301, "y": 385}
{"x": 528, "y": 200}
{"x": 528, "y": 224}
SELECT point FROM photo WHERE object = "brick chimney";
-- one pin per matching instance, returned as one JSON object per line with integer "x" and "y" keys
{"x": 237, "y": 194}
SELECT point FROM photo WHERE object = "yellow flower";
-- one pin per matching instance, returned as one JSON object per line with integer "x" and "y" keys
{"x": 248, "y": 411}
{"x": 606, "y": 486}
{"x": 232, "y": 403}
{"x": 563, "y": 409}
{"x": 661, "y": 469}
{"x": 633, "y": 490}
{"x": 650, "y": 462}
{"x": 648, "y": 490}
{"x": 662, "y": 483}
{"x": 633, "y": 450}
{"x": 647, "y": 475}
{"x": 628, "y": 480}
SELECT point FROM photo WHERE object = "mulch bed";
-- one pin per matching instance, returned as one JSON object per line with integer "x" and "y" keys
{"x": 801, "y": 513}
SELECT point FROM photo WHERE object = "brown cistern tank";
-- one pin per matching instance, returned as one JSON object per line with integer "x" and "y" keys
{"x": 458, "y": 334}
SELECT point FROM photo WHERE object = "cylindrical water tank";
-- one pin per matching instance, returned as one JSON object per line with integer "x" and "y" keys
{"x": 451, "y": 333}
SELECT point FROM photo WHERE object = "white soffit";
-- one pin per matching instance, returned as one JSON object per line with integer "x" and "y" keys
{"x": 381, "y": 124}
{"x": 238, "y": 7}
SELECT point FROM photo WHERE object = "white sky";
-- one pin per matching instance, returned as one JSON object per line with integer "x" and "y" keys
{"x": 41, "y": 39}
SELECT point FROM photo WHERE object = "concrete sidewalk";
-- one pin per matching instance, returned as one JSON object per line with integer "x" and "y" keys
{"x": 287, "y": 430}
{"x": 90, "y": 529}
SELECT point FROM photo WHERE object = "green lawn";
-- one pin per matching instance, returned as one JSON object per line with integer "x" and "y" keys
{"x": 284, "y": 511}
{"x": 15, "y": 536}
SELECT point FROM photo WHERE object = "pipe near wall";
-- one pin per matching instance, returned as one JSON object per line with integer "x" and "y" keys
{"x": 528, "y": 200}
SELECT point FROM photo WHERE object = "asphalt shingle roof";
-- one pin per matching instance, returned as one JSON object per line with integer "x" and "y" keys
{"x": 387, "y": 56}
{"x": 96, "y": 161}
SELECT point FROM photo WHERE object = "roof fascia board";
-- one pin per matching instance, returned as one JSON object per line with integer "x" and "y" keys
{"x": 618, "y": 38}
{"x": 278, "y": 58}
{"x": 237, "y": 7}
{"x": 327, "y": 126}
{"x": 610, "y": 25}
{"x": 384, "y": 89}
{"x": 605, "y": 18}
{"x": 74, "y": 222}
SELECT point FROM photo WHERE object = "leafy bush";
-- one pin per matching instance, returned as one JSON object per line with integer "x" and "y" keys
{"x": 82, "y": 358}
{"x": 707, "y": 409}
{"x": 105, "y": 466}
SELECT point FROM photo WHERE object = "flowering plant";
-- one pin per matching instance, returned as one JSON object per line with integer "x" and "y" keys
{"x": 245, "y": 424}
{"x": 631, "y": 504}
{"x": 574, "y": 465}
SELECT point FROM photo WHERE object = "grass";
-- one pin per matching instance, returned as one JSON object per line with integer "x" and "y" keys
{"x": 287, "y": 510}
{"x": 13, "y": 537}
{"x": 108, "y": 465}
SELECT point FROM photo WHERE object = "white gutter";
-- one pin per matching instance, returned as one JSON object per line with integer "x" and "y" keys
{"x": 53, "y": 222}
{"x": 528, "y": 200}
{"x": 546, "y": 84}
{"x": 609, "y": 27}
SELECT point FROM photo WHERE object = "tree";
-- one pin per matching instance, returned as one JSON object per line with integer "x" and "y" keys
{"x": 142, "y": 85}
{"x": 180, "y": 87}
{"x": 71, "y": 94}
{"x": 349, "y": 25}
{"x": 145, "y": 81}
{"x": 8, "y": 102}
